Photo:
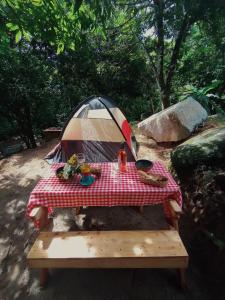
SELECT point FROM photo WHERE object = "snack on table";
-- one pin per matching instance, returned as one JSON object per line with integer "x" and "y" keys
{"x": 153, "y": 179}
{"x": 85, "y": 169}
{"x": 96, "y": 171}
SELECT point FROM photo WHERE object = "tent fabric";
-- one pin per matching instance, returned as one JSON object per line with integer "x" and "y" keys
{"x": 92, "y": 129}
{"x": 96, "y": 127}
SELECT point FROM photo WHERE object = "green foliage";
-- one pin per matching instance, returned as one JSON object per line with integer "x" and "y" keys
{"x": 202, "y": 60}
{"x": 56, "y": 53}
{"x": 25, "y": 84}
{"x": 50, "y": 85}
{"x": 63, "y": 24}
{"x": 212, "y": 103}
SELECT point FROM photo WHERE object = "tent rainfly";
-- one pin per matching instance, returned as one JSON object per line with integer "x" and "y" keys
{"x": 96, "y": 128}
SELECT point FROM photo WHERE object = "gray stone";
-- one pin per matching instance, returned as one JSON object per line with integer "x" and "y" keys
{"x": 208, "y": 147}
{"x": 175, "y": 123}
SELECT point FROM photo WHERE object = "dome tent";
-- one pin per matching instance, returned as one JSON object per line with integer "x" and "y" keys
{"x": 96, "y": 128}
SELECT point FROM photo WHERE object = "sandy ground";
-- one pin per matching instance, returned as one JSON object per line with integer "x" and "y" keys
{"x": 18, "y": 176}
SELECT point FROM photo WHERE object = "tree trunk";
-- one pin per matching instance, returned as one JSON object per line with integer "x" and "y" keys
{"x": 30, "y": 135}
{"x": 22, "y": 130}
{"x": 29, "y": 128}
{"x": 26, "y": 141}
{"x": 165, "y": 97}
{"x": 24, "y": 122}
{"x": 176, "y": 51}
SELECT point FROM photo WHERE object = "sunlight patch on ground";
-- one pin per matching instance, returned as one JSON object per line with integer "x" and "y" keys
{"x": 34, "y": 288}
{"x": 14, "y": 272}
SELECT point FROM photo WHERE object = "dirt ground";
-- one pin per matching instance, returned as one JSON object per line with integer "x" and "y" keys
{"x": 19, "y": 174}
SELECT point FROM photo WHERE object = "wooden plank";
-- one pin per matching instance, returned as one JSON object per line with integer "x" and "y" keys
{"x": 175, "y": 206}
{"x": 108, "y": 249}
{"x": 93, "y": 244}
{"x": 111, "y": 263}
{"x": 36, "y": 212}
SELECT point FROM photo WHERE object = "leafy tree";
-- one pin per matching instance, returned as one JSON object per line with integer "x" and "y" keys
{"x": 202, "y": 59}
{"x": 169, "y": 22}
{"x": 67, "y": 24}
{"x": 55, "y": 53}
{"x": 25, "y": 84}
{"x": 60, "y": 23}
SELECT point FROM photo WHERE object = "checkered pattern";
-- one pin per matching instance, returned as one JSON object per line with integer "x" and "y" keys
{"x": 112, "y": 189}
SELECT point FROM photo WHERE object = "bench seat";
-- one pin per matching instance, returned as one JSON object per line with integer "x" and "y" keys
{"x": 108, "y": 249}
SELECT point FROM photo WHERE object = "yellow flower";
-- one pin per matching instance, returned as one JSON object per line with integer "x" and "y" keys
{"x": 73, "y": 160}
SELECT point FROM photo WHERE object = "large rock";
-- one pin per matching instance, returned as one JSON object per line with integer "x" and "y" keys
{"x": 174, "y": 123}
{"x": 206, "y": 148}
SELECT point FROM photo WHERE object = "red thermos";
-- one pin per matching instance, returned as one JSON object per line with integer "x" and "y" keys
{"x": 122, "y": 158}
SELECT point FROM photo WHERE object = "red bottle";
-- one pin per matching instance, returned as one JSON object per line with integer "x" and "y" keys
{"x": 122, "y": 158}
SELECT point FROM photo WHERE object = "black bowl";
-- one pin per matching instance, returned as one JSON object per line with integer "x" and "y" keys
{"x": 144, "y": 165}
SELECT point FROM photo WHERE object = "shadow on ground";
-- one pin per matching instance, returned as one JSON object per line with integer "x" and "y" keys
{"x": 117, "y": 284}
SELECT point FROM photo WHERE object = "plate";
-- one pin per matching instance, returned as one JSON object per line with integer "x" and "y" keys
{"x": 88, "y": 181}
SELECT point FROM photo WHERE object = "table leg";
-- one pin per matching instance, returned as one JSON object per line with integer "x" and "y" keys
{"x": 183, "y": 281}
{"x": 141, "y": 209}
{"x": 175, "y": 213}
{"x": 43, "y": 221}
{"x": 44, "y": 273}
{"x": 40, "y": 216}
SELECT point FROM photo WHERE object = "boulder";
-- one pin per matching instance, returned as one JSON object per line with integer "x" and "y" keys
{"x": 206, "y": 148}
{"x": 174, "y": 123}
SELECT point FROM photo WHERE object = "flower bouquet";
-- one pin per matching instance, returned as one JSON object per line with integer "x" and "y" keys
{"x": 68, "y": 171}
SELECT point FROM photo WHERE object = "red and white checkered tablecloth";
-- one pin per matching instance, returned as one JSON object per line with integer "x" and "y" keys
{"x": 112, "y": 189}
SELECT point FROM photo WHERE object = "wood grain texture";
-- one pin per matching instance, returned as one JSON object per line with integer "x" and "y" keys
{"x": 175, "y": 206}
{"x": 36, "y": 213}
{"x": 108, "y": 249}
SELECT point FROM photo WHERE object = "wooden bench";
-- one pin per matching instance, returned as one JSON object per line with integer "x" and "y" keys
{"x": 108, "y": 249}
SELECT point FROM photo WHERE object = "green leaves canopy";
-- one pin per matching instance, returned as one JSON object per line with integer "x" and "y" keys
{"x": 60, "y": 23}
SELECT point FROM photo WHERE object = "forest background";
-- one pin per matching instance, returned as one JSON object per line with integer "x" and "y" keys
{"x": 146, "y": 55}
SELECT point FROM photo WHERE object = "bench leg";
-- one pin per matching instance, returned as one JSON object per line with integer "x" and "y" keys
{"x": 44, "y": 273}
{"x": 182, "y": 276}
{"x": 40, "y": 215}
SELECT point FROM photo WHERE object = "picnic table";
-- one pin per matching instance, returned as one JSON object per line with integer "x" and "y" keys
{"x": 106, "y": 249}
{"x": 112, "y": 189}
